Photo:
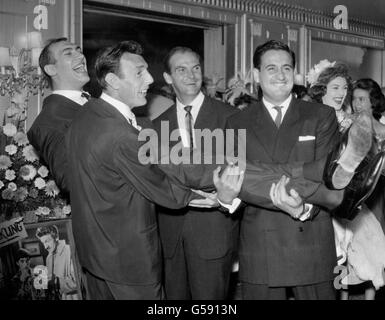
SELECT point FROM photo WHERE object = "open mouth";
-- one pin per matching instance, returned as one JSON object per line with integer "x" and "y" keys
{"x": 80, "y": 67}
{"x": 338, "y": 100}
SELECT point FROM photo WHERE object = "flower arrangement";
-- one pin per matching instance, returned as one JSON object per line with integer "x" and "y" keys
{"x": 314, "y": 73}
{"x": 238, "y": 92}
{"x": 26, "y": 186}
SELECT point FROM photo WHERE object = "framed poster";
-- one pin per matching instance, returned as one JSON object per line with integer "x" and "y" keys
{"x": 42, "y": 265}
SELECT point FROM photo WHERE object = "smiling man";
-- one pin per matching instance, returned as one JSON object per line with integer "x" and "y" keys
{"x": 64, "y": 66}
{"x": 276, "y": 252}
{"x": 198, "y": 247}
{"x": 113, "y": 195}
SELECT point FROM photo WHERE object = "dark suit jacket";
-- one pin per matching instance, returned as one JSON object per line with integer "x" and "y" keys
{"x": 113, "y": 197}
{"x": 215, "y": 232}
{"x": 276, "y": 249}
{"x": 47, "y": 134}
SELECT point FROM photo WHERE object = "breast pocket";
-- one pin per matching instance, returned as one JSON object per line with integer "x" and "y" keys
{"x": 304, "y": 151}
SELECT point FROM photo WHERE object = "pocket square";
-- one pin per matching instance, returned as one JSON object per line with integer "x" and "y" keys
{"x": 306, "y": 138}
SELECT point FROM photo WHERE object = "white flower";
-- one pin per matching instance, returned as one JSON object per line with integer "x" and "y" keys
{"x": 10, "y": 175}
{"x": 42, "y": 211}
{"x": 9, "y": 130}
{"x": 11, "y": 149}
{"x": 27, "y": 172}
{"x": 51, "y": 189}
{"x": 43, "y": 171}
{"x": 39, "y": 183}
{"x": 315, "y": 72}
{"x": 21, "y": 139}
{"x": 5, "y": 162}
{"x": 1, "y": 184}
{"x": 67, "y": 210}
{"x": 30, "y": 154}
{"x": 12, "y": 186}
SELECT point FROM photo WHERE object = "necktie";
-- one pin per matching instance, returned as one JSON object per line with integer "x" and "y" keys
{"x": 189, "y": 125}
{"x": 278, "y": 118}
{"x": 86, "y": 95}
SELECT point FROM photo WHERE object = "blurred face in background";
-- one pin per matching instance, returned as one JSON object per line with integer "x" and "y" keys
{"x": 336, "y": 91}
{"x": 361, "y": 100}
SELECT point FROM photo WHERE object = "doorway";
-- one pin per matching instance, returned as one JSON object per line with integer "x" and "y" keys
{"x": 156, "y": 35}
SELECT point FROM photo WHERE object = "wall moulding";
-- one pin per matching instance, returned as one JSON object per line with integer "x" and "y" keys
{"x": 350, "y": 39}
{"x": 292, "y": 13}
{"x": 212, "y": 14}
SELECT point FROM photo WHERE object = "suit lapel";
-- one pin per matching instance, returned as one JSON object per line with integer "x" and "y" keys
{"x": 204, "y": 118}
{"x": 288, "y": 132}
{"x": 172, "y": 118}
{"x": 264, "y": 128}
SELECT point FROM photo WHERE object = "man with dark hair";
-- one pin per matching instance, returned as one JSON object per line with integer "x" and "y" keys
{"x": 64, "y": 65}
{"x": 61, "y": 272}
{"x": 198, "y": 244}
{"x": 112, "y": 193}
{"x": 22, "y": 281}
{"x": 277, "y": 252}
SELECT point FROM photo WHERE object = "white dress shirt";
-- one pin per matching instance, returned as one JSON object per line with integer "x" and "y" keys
{"x": 74, "y": 95}
{"x": 273, "y": 112}
{"x": 124, "y": 109}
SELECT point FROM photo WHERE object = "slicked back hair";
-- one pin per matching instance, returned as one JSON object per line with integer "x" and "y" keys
{"x": 108, "y": 59}
{"x": 172, "y": 52}
{"x": 46, "y": 57}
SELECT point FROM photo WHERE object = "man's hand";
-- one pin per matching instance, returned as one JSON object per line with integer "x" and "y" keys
{"x": 291, "y": 203}
{"x": 229, "y": 184}
{"x": 209, "y": 200}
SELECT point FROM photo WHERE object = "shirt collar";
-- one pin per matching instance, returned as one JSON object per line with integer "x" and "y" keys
{"x": 121, "y": 107}
{"x": 195, "y": 104}
{"x": 74, "y": 95}
{"x": 285, "y": 104}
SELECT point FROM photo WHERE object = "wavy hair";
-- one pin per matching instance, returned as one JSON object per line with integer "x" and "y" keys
{"x": 377, "y": 98}
{"x": 318, "y": 90}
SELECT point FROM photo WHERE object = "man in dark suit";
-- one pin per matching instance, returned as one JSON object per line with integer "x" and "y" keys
{"x": 278, "y": 252}
{"x": 113, "y": 194}
{"x": 198, "y": 245}
{"x": 65, "y": 68}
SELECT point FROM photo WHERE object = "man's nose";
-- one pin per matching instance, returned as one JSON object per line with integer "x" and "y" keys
{"x": 150, "y": 79}
{"x": 281, "y": 74}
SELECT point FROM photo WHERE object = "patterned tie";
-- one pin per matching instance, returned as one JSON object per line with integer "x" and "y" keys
{"x": 278, "y": 118}
{"x": 189, "y": 125}
{"x": 86, "y": 95}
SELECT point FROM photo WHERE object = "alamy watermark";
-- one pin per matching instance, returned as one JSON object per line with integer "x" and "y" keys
{"x": 219, "y": 146}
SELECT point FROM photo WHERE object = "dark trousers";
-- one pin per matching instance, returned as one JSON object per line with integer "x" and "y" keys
{"x": 100, "y": 289}
{"x": 319, "y": 291}
{"x": 189, "y": 276}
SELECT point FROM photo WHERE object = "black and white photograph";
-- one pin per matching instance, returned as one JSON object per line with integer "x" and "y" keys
{"x": 192, "y": 150}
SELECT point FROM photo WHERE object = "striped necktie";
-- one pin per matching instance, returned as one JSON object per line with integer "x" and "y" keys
{"x": 278, "y": 118}
{"x": 189, "y": 121}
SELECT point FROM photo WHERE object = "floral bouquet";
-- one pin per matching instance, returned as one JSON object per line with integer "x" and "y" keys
{"x": 314, "y": 73}
{"x": 26, "y": 186}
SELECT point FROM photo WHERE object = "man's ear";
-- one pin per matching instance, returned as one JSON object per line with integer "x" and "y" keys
{"x": 50, "y": 69}
{"x": 167, "y": 78}
{"x": 112, "y": 80}
{"x": 256, "y": 75}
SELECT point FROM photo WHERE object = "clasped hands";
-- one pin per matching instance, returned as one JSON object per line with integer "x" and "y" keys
{"x": 290, "y": 202}
{"x": 228, "y": 185}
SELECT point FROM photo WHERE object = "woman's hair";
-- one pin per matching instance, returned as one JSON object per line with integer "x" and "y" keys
{"x": 318, "y": 90}
{"x": 377, "y": 99}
